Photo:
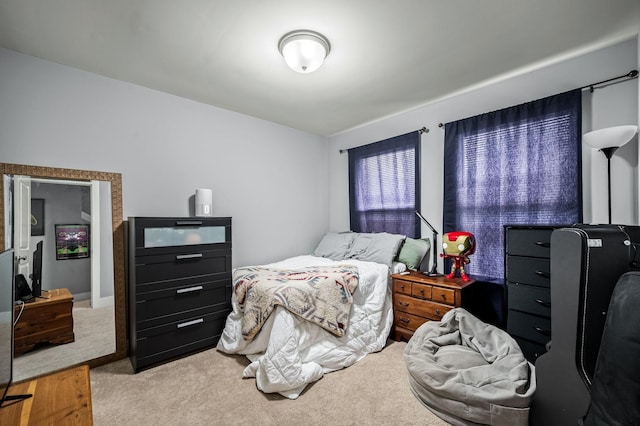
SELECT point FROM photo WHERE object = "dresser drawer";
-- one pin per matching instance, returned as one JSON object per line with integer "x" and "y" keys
{"x": 529, "y": 242}
{"x": 423, "y": 308}
{"x": 158, "y": 235}
{"x": 163, "y": 268}
{"x": 179, "y": 337}
{"x": 532, "y": 299}
{"x": 531, "y": 350}
{"x": 529, "y": 270}
{"x": 401, "y": 286}
{"x": 531, "y": 327}
{"x": 162, "y": 304}
{"x": 421, "y": 291}
{"x": 408, "y": 321}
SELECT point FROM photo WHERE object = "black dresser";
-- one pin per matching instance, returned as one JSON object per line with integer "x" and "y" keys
{"x": 527, "y": 272}
{"x": 179, "y": 284}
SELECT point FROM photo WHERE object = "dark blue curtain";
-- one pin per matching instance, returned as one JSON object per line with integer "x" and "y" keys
{"x": 519, "y": 165}
{"x": 384, "y": 186}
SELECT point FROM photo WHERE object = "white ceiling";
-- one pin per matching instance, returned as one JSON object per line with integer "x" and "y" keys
{"x": 386, "y": 56}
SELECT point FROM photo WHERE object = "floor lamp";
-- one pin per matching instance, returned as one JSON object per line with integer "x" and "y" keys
{"x": 434, "y": 250}
{"x": 608, "y": 140}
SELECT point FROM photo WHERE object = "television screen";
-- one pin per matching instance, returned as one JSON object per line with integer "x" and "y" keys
{"x": 6, "y": 320}
{"x": 36, "y": 277}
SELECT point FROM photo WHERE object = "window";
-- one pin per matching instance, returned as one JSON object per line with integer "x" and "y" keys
{"x": 384, "y": 186}
{"x": 520, "y": 165}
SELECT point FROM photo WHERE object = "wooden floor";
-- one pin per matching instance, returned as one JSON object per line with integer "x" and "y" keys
{"x": 62, "y": 398}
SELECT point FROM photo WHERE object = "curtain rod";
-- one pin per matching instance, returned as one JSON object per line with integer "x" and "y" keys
{"x": 631, "y": 74}
{"x": 420, "y": 131}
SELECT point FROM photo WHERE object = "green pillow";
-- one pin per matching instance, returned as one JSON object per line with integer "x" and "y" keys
{"x": 413, "y": 251}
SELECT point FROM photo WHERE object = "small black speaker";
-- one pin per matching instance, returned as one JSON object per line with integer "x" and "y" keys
{"x": 22, "y": 288}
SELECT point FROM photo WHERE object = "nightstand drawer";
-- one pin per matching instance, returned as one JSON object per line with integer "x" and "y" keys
{"x": 529, "y": 242}
{"x": 531, "y": 327}
{"x": 408, "y": 321}
{"x": 443, "y": 295}
{"x": 423, "y": 308}
{"x": 401, "y": 286}
{"x": 532, "y": 299}
{"x": 421, "y": 291}
{"x": 528, "y": 270}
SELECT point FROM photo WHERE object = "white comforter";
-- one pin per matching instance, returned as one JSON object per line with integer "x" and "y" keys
{"x": 290, "y": 352}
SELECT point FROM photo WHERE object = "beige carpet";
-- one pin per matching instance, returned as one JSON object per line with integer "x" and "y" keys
{"x": 94, "y": 333}
{"x": 207, "y": 389}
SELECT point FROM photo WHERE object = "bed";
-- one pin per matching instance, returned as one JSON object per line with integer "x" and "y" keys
{"x": 290, "y": 352}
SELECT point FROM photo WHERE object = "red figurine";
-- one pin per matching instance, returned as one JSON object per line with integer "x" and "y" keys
{"x": 458, "y": 246}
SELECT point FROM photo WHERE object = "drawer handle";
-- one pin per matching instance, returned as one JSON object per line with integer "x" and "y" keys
{"x": 405, "y": 304}
{"x": 188, "y": 222}
{"x": 543, "y": 331}
{"x": 402, "y": 287}
{"x": 188, "y": 256}
{"x": 543, "y": 274}
{"x": 188, "y": 323}
{"x": 543, "y": 303}
{"x": 444, "y": 297}
{"x": 404, "y": 320}
{"x": 437, "y": 311}
{"x": 542, "y": 244}
{"x": 190, "y": 289}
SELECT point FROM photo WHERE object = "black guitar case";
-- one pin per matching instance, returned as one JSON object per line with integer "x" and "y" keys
{"x": 586, "y": 263}
{"x": 615, "y": 393}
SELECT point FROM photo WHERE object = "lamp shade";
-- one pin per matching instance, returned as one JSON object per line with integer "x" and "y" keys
{"x": 610, "y": 137}
{"x": 304, "y": 50}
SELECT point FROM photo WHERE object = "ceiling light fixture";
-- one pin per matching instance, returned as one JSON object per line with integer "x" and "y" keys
{"x": 304, "y": 50}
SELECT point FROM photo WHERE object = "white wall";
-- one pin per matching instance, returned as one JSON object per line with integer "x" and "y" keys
{"x": 610, "y": 106}
{"x": 272, "y": 180}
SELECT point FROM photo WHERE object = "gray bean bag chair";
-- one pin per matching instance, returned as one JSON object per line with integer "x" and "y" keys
{"x": 468, "y": 372}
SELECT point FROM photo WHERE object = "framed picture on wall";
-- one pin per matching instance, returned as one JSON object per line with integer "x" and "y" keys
{"x": 72, "y": 241}
{"x": 37, "y": 216}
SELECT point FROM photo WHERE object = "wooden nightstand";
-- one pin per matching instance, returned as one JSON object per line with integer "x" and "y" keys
{"x": 418, "y": 298}
{"x": 46, "y": 319}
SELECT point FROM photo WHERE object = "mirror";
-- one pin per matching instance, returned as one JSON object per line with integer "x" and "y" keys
{"x": 115, "y": 181}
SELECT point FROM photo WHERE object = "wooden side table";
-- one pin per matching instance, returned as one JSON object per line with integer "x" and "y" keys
{"x": 47, "y": 319}
{"x": 62, "y": 398}
{"x": 418, "y": 298}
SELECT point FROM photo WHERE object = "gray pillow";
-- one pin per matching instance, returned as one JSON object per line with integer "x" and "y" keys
{"x": 379, "y": 247}
{"x": 413, "y": 252}
{"x": 334, "y": 245}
